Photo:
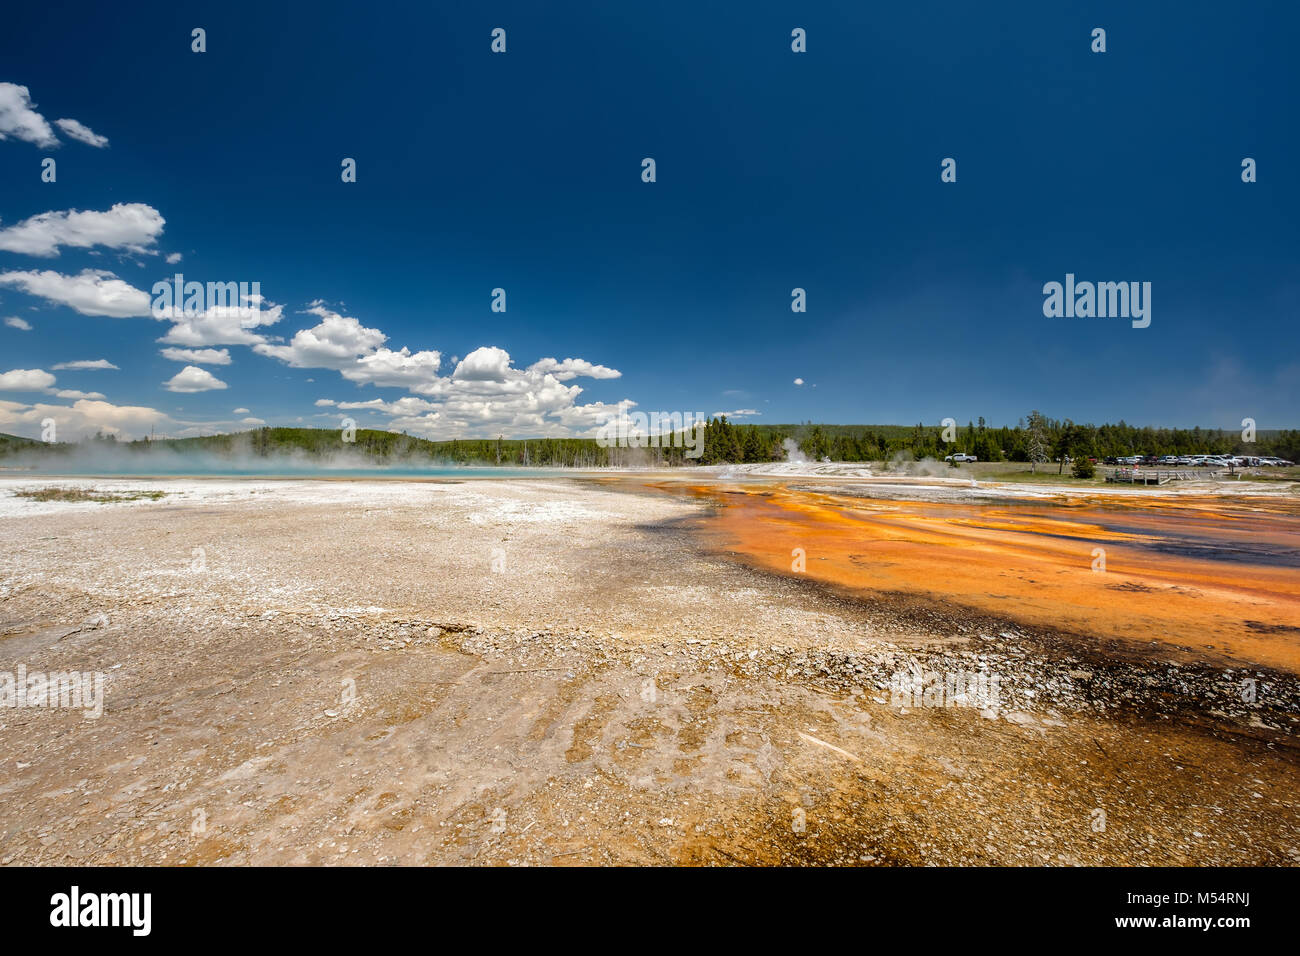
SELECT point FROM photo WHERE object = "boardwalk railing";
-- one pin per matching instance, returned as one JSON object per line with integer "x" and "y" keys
{"x": 1159, "y": 476}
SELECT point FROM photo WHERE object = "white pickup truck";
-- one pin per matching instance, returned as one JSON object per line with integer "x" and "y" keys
{"x": 959, "y": 457}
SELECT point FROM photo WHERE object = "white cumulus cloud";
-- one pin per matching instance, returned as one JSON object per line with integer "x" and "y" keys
{"x": 86, "y": 364}
{"x": 90, "y": 292}
{"x": 19, "y": 119}
{"x": 83, "y": 417}
{"x": 573, "y": 368}
{"x": 336, "y": 342}
{"x": 26, "y": 380}
{"x": 404, "y": 369}
{"x": 220, "y": 325}
{"x": 484, "y": 394}
{"x": 485, "y": 364}
{"x": 81, "y": 133}
{"x": 198, "y": 356}
{"x": 193, "y": 379}
{"x": 132, "y": 226}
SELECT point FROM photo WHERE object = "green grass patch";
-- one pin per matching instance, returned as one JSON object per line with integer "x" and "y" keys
{"x": 87, "y": 494}
{"x": 1019, "y": 471}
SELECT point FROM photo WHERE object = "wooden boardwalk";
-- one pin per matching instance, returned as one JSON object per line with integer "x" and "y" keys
{"x": 1161, "y": 476}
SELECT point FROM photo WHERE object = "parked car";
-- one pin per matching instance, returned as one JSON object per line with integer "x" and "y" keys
{"x": 960, "y": 457}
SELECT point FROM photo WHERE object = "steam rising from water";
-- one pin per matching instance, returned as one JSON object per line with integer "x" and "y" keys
{"x": 903, "y": 463}
{"x": 108, "y": 459}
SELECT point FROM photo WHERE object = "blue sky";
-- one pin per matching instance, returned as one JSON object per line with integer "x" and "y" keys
{"x": 775, "y": 170}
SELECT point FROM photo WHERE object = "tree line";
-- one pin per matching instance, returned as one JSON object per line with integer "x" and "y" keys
{"x": 1034, "y": 438}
